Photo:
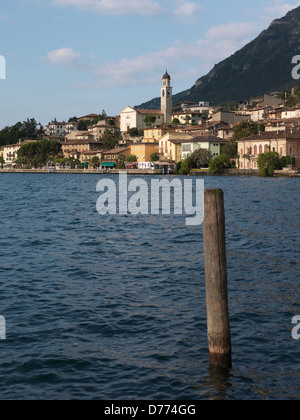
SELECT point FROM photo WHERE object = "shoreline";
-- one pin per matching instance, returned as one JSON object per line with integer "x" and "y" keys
{"x": 226, "y": 172}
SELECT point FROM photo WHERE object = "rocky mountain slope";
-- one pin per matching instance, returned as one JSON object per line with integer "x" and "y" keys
{"x": 262, "y": 66}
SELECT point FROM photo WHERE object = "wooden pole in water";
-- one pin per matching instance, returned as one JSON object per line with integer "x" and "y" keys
{"x": 218, "y": 323}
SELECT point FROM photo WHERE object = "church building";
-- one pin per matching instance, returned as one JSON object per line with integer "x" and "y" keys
{"x": 135, "y": 118}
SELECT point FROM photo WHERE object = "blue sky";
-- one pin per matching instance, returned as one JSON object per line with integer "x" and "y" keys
{"x": 75, "y": 57}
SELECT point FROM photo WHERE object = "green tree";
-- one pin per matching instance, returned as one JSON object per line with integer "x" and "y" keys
{"x": 154, "y": 157}
{"x": 247, "y": 128}
{"x": 268, "y": 163}
{"x": 205, "y": 115}
{"x": 84, "y": 125}
{"x": 121, "y": 163}
{"x": 150, "y": 120}
{"x": 186, "y": 166}
{"x": 110, "y": 141}
{"x": 230, "y": 149}
{"x": 135, "y": 132}
{"x": 287, "y": 161}
{"x": 1, "y": 162}
{"x": 28, "y": 129}
{"x": 176, "y": 121}
{"x": 219, "y": 163}
{"x": 178, "y": 167}
{"x": 96, "y": 162}
{"x": 39, "y": 153}
{"x": 200, "y": 158}
{"x": 131, "y": 159}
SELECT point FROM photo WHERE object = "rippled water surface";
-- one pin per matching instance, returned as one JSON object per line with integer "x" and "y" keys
{"x": 114, "y": 307}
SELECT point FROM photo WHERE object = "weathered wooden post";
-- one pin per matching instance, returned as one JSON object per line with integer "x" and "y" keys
{"x": 218, "y": 324}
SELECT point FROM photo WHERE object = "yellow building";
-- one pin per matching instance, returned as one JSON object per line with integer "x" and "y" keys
{"x": 284, "y": 143}
{"x": 88, "y": 156}
{"x": 170, "y": 146}
{"x": 116, "y": 154}
{"x": 154, "y": 134}
{"x": 79, "y": 146}
{"x": 10, "y": 153}
{"x": 143, "y": 151}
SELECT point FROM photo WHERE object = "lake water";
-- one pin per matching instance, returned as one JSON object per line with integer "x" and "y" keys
{"x": 113, "y": 307}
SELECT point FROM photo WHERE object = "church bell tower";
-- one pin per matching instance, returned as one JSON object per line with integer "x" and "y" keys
{"x": 166, "y": 99}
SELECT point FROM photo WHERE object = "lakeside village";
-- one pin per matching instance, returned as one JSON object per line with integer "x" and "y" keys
{"x": 257, "y": 136}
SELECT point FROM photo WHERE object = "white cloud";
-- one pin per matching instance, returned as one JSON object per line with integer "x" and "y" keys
{"x": 184, "y": 60}
{"x": 186, "y": 9}
{"x": 114, "y": 7}
{"x": 63, "y": 57}
{"x": 278, "y": 9}
{"x": 232, "y": 31}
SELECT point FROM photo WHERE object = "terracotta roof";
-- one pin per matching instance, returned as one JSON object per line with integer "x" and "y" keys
{"x": 89, "y": 116}
{"x": 166, "y": 75}
{"x": 149, "y": 111}
{"x": 20, "y": 144}
{"x": 74, "y": 142}
{"x": 92, "y": 152}
{"x": 116, "y": 151}
{"x": 290, "y": 109}
{"x": 273, "y": 135}
{"x": 208, "y": 139}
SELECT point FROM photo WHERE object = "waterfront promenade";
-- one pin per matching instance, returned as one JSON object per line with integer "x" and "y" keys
{"x": 226, "y": 172}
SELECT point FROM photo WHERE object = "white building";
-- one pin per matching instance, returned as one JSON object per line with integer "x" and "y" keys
{"x": 56, "y": 128}
{"x": 135, "y": 118}
{"x": 290, "y": 113}
{"x": 10, "y": 153}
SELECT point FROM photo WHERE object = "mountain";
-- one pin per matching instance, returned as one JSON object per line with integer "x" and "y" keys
{"x": 262, "y": 66}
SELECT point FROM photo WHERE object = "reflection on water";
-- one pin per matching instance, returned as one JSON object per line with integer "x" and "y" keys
{"x": 114, "y": 307}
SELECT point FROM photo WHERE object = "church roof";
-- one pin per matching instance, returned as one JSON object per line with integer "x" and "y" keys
{"x": 149, "y": 111}
{"x": 166, "y": 75}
